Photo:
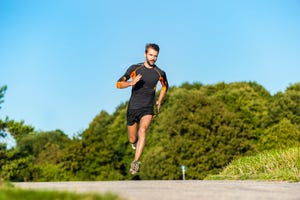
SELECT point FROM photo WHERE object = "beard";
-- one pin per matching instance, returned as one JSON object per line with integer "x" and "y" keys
{"x": 151, "y": 63}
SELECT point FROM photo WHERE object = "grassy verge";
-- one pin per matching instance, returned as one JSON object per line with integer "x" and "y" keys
{"x": 275, "y": 165}
{"x": 8, "y": 192}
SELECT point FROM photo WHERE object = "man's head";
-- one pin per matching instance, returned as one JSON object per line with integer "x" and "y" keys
{"x": 151, "y": 53}
{"x": 151, "y": 46}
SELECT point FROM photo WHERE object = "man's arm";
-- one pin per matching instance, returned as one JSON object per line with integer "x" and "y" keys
{"x": 124, "y": 83}
{"x": 163, "y": 91}
{"x": 161, "y": 97}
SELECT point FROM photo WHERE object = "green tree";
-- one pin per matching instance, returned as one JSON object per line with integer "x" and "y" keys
{"x": 96, "y": 156}
{"x": 107, "y": 146}
{"x": 195, "y": 130}
{"x": 2, "y": 125}
{"x": 43, "y": 145}
{"x": 21, "y": 169}
{"x": 73, "y": 160}
{"x": 17, "y": 129}
{"x": 2, "y": 93}
{"x": 285, "y": 105}
{"x": 201, "y": 126}
{"x": 37, "y": 157}
{"x": 280, "y": 136}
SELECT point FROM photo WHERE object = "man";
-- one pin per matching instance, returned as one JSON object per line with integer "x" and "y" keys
{"x": 144, "y": 78}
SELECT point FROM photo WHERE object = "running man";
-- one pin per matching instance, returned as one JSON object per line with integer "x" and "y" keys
{"x": 144, "y": 78}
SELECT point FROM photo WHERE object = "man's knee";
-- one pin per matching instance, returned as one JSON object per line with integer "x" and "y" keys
{"x": 142, "y": 131}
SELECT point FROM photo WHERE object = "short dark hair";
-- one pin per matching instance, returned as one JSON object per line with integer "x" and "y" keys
{"x": 152, "y": 46}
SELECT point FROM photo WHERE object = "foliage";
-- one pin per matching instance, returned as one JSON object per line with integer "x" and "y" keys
{"x": 198, "y": 131}
{"x": 33, "y": 156}
{"x": 2, "y": 92}
{"x": 20, "y": 169}
{"x": 279, "y": 136}
{"x": 286, "y": 105}
{"x": 15, "y": 128}
{"x": 43, "y": 145}
{"x": 204, "y": 127}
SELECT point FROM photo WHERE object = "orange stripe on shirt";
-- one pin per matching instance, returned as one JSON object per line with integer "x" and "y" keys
{"x": 118, "y": 84}
{"x": 133, "y": 74}
{"x": 163, "y": 83}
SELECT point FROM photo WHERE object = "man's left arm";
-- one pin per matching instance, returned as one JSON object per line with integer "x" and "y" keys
{"x": 164, "y": 83}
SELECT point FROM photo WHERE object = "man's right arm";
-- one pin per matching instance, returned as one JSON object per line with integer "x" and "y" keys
{"x": 124, "y": 83}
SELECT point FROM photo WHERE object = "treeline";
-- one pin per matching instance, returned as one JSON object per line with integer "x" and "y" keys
{"x": 203, "y": 127}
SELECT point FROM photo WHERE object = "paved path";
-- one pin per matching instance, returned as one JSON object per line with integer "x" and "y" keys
{"x": 180, "y": 190}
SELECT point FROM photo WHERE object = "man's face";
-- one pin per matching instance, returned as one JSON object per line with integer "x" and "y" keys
{"x": 151, "y": 56}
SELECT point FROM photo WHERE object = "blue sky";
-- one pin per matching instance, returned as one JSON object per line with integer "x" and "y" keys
{"x": 61, "y": 58}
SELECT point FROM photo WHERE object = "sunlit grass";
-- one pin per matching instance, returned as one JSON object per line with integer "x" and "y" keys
{"x": 279, "y": 165}
{"x": 9, "y": 192}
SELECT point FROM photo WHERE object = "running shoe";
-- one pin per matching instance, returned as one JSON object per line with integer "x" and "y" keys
{"x": 134, "y": 167}
{"x": 134, "y": 145}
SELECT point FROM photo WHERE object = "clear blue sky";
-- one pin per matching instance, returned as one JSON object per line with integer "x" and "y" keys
{"x": 61, "y": 58}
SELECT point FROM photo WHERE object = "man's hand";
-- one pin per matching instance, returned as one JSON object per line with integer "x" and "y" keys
{"x": 158, "y": 104}
{"x": 136, "y": 79}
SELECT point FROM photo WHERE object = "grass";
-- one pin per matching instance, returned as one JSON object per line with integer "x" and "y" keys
{"x": 9, "y": 192}
{"x": 274, "y": 165}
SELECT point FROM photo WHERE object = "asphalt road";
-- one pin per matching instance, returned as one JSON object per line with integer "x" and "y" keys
{"x": 179, "y": 190}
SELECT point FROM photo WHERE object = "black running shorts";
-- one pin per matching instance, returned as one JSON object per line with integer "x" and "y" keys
{"x": 135, "y": 115}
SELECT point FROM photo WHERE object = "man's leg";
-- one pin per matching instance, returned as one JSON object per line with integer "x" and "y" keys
{"x": 132, "y": 133}
{"x": 144, "y": 125}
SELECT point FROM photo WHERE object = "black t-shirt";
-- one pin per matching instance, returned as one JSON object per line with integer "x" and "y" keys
{"x": 143, "y": 92}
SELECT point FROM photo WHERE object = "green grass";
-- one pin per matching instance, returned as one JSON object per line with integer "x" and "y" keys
{"x": 274, "y": 165}
{"x": 8, "y": 192}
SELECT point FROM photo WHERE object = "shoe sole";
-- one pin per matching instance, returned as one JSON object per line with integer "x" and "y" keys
{"x": 133, "y": 171}
{"x": 133, "y": 146}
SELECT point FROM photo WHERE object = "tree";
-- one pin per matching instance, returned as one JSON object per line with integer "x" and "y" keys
{"x": 2, "y": 126}
{"x": 203, "y": 127}
{"x": 279, "y": 136}
{"x": 196, "y": 130}
{"x": 285, "y": 105}
{"x": 17, "y": 129}
{"x": 21, "y": 169}
{"x": 46, "y": 143}
{"x": 2, "y": 92}
{"x": 97, "y": 155}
